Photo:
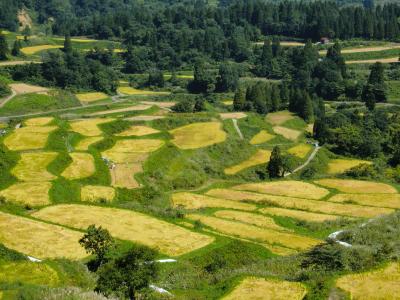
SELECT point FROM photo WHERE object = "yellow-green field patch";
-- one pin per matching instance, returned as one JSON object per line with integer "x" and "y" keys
{"x": 123, "y": 175}
{"x": 198, "y": 135}
{"x": 128, "y": 225}
{"x": 125, "y": 157}
{"x": 28, "y": 138}
{"x": 289, "y": 188}
{"x": 38, "y": 239}
{"x": 262, "y": 137}
{"x": 381, "y": 284}
{"x": 33, "y": 166}
{"x": 228, "y": 102}
{"x": 137, "y": 107}
{"x": 267, "y": 289}
{"x": 287, "y": 133}
{"x": 138, "y": 131}
{"x": 28, "y": 273}
{"x": 278, "y": 118}
{"x": 82, "y": 166}
{"x": 34, "y": 49}
{"x": 196, "y": 201}
{"x": 89, "y": 127}
{"x": 357, "y": 186}
{"x": 39, "y": 121}
{"x": 97, "y": 193}
{"x": 298, "y": 214}
{"x": 29, "y": 193}
{"x": 300, "y": 150}
{"x": 136, "y": 145}
{"x": 337, "y": 166}
{"x": 259, "y": 158}
{"x": 132, "y": 91}
{"x": 91, "y": 97}
{"x": 258, "y": 234}
{"x": 86, "y": 142}
{"x": 379, "y": 200}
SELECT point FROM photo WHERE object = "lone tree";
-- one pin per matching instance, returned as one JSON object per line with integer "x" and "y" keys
{"x": 16, "y": 50}
{"x": 276, "y": 165}
{"x": 97, "y": 241}
{"x": 67, "y": 44}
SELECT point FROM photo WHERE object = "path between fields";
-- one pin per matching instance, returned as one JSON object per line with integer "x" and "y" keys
{"x": 309, "y": 159}
{"x": 8, "y": 98}
{"x": 235, "y": 124}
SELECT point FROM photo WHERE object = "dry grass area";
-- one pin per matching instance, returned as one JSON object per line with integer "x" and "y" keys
{"x": 160, "y": 104}
{"x": 300, "y": 150}
{"x": 288, "y": 188}
{"x": 132, "y": 91}
{"x": 28, "y": 273}
{"x": 97, "y": 193}
{"x": 337, "y": 166}
{"x": 39, "y": 121}
{"x": 125, "y": 157}
{"x": 249, "y": 218}
{"x": 267, "y": 289}
{"x": 33, "y": 166}
{"x": 255, "y": 233}
{"x": 86, "y": 142}
{"x": 123, "y": 175}
{"x": 196, "y": 201}
{"x": 38, "y": 239}
{"x": 91, "y": 97}
{"x": 82, "y": 166}
{"x": 381, "y": 284}
{"x": 89, "y": 127}
{"x": 128, "y": 225}
{"x": 287, "y": 133}
{"x": 35, "y": 49}
{"x": 138, "y": 131}
{"x": 23, "y": 88}
{"x": 372, "y": 61}
{"x": 198, "y": 135}
{"x": 233, "y": 115}
{"x": 280, "y": 117}
{"x": 28, "y": 193}
{"x": 357, "y": 186}
{"x": 297, "y": 214}
{"x": 136, "y": 145}
{"x": 259, "y": 158}
{"x": 145, "y": 118}
{"x": 262, "y": 137}
{"x": 364, "y": 49}
{"x": 137, "y": 107}
{"x": 379, "y": 200}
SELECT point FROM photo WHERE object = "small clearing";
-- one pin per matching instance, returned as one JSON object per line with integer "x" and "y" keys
{"x": 35, "y": 49}
{"x": 262, "y": 137}
{"x": 357, "y": 186}
{"x": 287, "y": 133}
{"x": 82, "y": 166}
{"x": 234, "y": 115}
{"x": 23, "y": 88}
{"x": 28, "y": 193}
{"x": 280, "y": 117}
{"x": 259, "y": 158}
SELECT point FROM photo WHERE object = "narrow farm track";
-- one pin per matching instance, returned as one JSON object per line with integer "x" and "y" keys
{"x": 5, "y": 100}
{"x": 235, "y": 124}
{"x": 309, "y": 159}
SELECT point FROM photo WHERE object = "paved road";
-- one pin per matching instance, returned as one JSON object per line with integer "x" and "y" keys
{"x": 235, "y": 124}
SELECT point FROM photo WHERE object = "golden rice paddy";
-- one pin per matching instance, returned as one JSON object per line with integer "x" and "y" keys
{"x": 337, "y": 166}
{"x": 259, "y": 158}
{"x": 160, "y": 104}
{"x": 168, "y": 238}
{"x": 300, "y": 150}
{"x": 248, "y": 218}
{"x": 28, "y": 138}
{"x": 36, "y": 129}
{"x": 82, "y": 166}
{"x": 38, "y": 239}
{"x": 91, "y": 97}
{"x": 35, "y": 49}
{"x": 28, "y": 273}
{"x": 33, "y": 166}
{"x": 144, "y": 118}
{"x": 23, "y": 88}
{"x": 278, "y": 118}
{"x": 379, "y": 200}
{"x": 89, "y": 127}
{"x": 258, "y": 234}
{"x": 237, "y": 195}
{"x": 267, "y": 289}
{"x": 357, "y": 186}
{"x": 234, "y": 115}
{"x": 96, "y": 193}
{"x": 86, "y": 142}
{"x": 39, "y": 121}
{"x": 123, "y": 175}
{"x": 136, "y": 145}
{"x": 297, "y": 214}
{"x": 289, "y": 188}
{"x": 196, "y": 201}
{"x": 28, "y": 193}
{"x": 372, "y": 61}
{"x": 137, "y": 107}
{"x": 132, "y": 91}
{"x": 375, "y": 285}
{"x": 262, "y": 137}
{"x": 138, "y": 131}
{"x": 125, "y": 157}
{"x": 198, "y": 135}
{"x": 287, "y": 133}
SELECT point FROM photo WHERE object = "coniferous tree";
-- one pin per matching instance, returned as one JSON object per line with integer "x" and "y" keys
{"x": 3, "y": 47}
{"x": 275, "y": 165}
{"x": 16, "y": 50}
{"x": 307, "y": 110}
{"x": 275, "y": 98}
{"x": 239, "y": 100}
{"x": 67, "y": 44}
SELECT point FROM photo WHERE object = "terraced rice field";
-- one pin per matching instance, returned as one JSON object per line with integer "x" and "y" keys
{"x": 28, "y": 273}
{"x": 262, "y": 137}
{"x": 33, "y": 166}
{"x": 86, "y": 142}
{"x": 259, "y": 158}
{"x": 95, "y": 193}
{"x": 91, "y": 97}
{"x": 258, "y": 234}
{"x": 82, "y": 166}
{"x": 138, "y": 107}
{"x": 38, "y": 239}
{"x": 35, "y": 49}
{"x": 300, "y": 150}
{"x": 278, "y": 118}
{"x": 381, "y": 284}
{"x": 287, "y": 133}
{"x": 267, "y": 289}
{"x": 128, "y": 225}
{"x": 23, "y": 88}
{"x": 28, "y": 138}
{"x": 125, "y": 157}
{"x": 372, "y": 61}
{"x": 196, "y": 201}
{"x": 298, "y": 214}
{"x": 132, "y": 91}
{"x": 144, "y": 118}
{"x": 136, "y": 146}
{"x": 357, "y": 186}
{"x": 379, "y": 200}
{"x": 38, "y": 121}
{"x": 28, "y": 193}
{"x": 160, "y": 104}
{"x": 138, "y": 131}
{"x": 123, "y": 175}
{"x": 288, "y": 188}
{"x": 89, "y": 127}
{"x": 198, "y": 135}
{"x": 337, "y": 166}
{"x": 235, "y": 115}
